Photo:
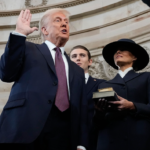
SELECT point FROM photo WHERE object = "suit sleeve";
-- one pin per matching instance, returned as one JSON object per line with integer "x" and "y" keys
{"x": 12, "y": 58}
{"x": 84, "y": 119}
{"x": 141, "y": 108}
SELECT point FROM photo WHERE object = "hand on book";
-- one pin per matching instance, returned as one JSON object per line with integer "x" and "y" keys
{"x": 101, "y": 105}
{"x": 123, "y": 104}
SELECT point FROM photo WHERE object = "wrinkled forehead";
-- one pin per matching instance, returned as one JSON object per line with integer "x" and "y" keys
{"x": 60, "y": 15}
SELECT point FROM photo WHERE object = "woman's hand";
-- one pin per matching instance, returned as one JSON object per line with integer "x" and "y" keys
{"x": 101, "y": 105}
{"x": 123, "y": 104}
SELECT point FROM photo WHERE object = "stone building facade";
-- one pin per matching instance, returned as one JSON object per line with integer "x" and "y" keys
{"x": 93, "y": 23}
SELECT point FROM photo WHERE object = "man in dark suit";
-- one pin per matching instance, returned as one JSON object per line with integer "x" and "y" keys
{"x": 47, "y": 106}
{"x": 126, "y": 126}
{"x": 82, "y": 57}
{"x": 147, "y": 2}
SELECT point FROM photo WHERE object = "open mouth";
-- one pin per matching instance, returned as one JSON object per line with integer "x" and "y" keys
{"x": 64, "y": 31}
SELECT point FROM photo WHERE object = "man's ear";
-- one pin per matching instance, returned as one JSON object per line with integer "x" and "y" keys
{"x": 44, "y": 31}
{"x": 90, "y": 62}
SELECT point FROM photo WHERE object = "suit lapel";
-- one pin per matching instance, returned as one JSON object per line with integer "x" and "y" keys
{"x": 47, "y": 55}
{"x": 130, "y": 75}
{"x": 90, "y": 84}
{"x": 70, "y": 70}
{"x": 117, "y": 80}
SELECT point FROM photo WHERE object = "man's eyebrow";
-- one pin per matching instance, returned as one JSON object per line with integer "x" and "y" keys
{"x": 82, "y": 53}
{"x": 73, "y": 54}
{"x": 67, "y": 19}
{"x": 79, "y": 54}
{"x": 57, "y": 17}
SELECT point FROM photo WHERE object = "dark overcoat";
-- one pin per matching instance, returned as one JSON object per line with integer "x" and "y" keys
{"x": 92, "y": 86}
{"x": 30, "y": 66}
{"x": 127, "y": 130}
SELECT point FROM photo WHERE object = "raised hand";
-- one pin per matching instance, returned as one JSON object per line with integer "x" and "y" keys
{"x": 23, "y": 23}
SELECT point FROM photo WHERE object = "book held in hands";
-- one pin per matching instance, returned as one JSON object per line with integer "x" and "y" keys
{"x": 108, "y": 93}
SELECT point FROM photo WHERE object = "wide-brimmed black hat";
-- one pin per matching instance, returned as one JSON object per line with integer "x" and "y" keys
{"x": 129, "y": 45}
{"x": 146, "y": 2}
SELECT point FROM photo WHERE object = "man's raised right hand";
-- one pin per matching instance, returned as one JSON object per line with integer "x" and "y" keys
{"x": 23, "y": 23}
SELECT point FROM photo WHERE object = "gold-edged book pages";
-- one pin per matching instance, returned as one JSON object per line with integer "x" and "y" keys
{"x": 106, "y": 89}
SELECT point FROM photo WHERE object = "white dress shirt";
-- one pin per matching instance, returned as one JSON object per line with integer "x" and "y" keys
{"x": 51, "y": 47}
{"x": 123, "y": 73}
{"x": 86, "y": 77}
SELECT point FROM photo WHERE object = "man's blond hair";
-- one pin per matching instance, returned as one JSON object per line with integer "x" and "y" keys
{"x": 44, "y": 21}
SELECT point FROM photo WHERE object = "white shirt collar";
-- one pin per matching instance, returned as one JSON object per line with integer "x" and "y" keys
{"x": 86, "y": 77}
{"x": 51, "y": 46}
{"x": 123, "y": 73}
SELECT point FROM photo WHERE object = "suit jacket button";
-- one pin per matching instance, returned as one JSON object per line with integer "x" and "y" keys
{"x": 49, "y": 101}
{"x": 54, "y": 83}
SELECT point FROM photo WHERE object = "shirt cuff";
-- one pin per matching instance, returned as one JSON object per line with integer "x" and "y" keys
{"x": 81, "y": 147}
{"x": 19, "y": 34}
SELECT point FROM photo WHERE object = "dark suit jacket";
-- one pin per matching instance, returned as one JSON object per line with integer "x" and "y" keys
{"x": 127, "y": 130}
{"x": 147, "y": 2}
{"x": 92, "y": 86}
{"x": 32, "y": 69}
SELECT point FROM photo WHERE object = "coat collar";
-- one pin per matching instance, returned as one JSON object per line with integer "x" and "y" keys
{"x": 129, "y": 76}
{"x": 47, "y": 55}
{"x": 90, "y": 84}
{"x": 117, "y": 80}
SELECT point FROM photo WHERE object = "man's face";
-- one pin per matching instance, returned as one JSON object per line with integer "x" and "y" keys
{"x": 80, "y": 57}
{"x": 124, "y": 57}
{"x": 57, "y": 28}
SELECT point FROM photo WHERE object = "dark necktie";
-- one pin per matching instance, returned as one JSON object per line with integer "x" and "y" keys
{"x": 62, "y": 98}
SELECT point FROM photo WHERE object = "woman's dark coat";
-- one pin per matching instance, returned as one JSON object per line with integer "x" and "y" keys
{"x": 127, "y": 130}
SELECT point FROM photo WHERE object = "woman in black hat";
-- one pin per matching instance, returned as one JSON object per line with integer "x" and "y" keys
{"x": 127, "y": 126}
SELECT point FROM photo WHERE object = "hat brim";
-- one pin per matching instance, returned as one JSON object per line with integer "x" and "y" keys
{"x": 138, "y": 51}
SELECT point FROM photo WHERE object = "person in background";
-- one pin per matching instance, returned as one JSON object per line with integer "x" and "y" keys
{"x": 127, "y": 125}
{"x": 82, "y": 57}
{"x": 47, "y": 108}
